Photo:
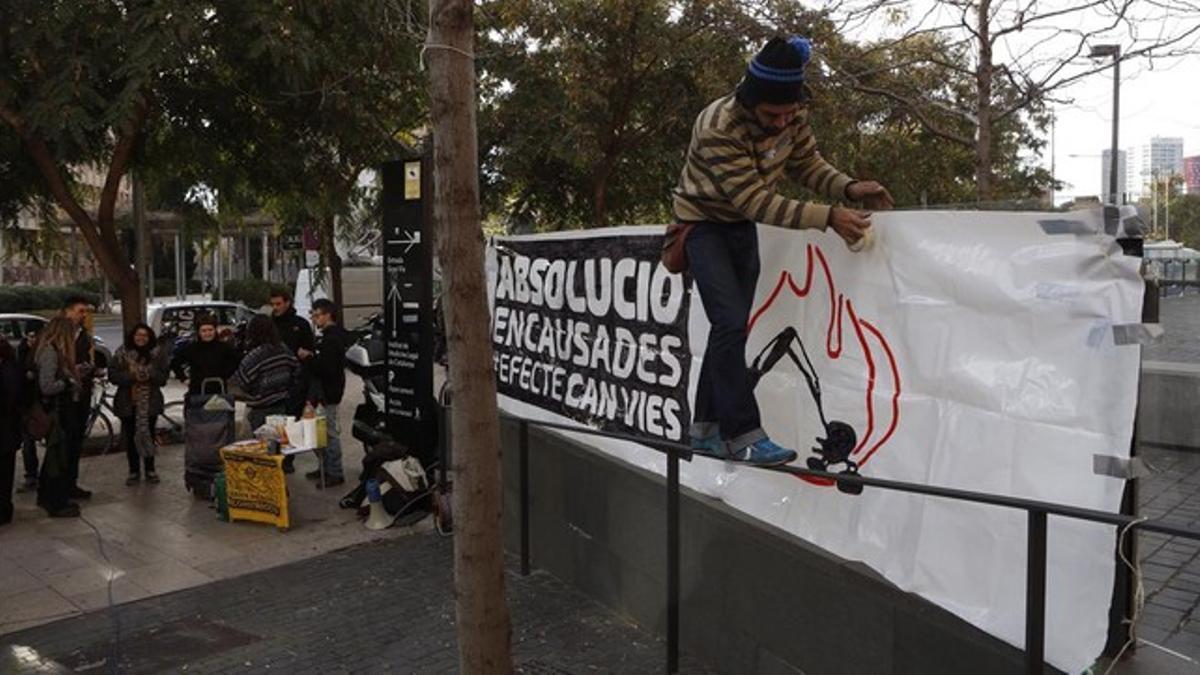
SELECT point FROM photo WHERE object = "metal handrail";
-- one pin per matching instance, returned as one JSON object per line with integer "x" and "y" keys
{"x": 1036, "y": 532}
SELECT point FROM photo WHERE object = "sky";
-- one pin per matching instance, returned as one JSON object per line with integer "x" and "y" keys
{"x": 1157, "y": 98}
{"x": 1164, "y": 101}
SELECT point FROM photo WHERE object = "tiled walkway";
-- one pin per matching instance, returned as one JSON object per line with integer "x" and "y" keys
{"x": 1170, "y": 565}
{"x": 157, "y": 538}
{"x": 387, "y": 606}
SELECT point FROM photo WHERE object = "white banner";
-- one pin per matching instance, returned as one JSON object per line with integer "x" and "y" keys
{"x": 972, "y": 350}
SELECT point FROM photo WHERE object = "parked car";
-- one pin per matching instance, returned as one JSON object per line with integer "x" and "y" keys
{"x": 14, "y": 328}
{"x": 174, "y": 322}
{"x": 173, "y": 319}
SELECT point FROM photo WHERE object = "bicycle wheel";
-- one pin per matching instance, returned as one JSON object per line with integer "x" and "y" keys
{"x": 98, "y": 435}
{"x": 170, "y": 423}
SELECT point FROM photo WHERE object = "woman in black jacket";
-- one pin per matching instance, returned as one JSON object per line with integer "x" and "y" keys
{"x": 139, "y": 369}
{"x": 12, "y": 380}
{"x": 205, "y": 358}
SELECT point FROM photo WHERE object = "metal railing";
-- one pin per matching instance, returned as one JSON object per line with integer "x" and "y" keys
{"x": 1036, "y": 532}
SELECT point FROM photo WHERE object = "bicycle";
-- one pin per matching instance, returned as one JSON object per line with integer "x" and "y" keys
{"x": 172, "y": 414}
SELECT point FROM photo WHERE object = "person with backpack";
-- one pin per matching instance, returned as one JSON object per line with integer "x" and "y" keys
{"x": 326, "y": 365}
{"x": 743, "y": 146}
{"x": 59, "y": 391}
{"x": 89, "y": 363}
{"x": 268, "y": 375}
{"x": 12, "y": 384}
{"x": 139, "y": 369}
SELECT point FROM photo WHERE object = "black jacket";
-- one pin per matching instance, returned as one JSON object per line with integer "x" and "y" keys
{"x": 205, "y": 360}
{"x": 295, "y": 332}
{"x": 28, "y": 374}
{"x": 120, "y": 373}
{"x": 328, "y": 365}
{"x": 12, "y": 387}
{"x": 88, "y": 359}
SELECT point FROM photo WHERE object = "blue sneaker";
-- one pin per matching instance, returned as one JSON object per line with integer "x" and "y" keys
{"x": 764, "y": 452}
{"x": 711, "y": 446}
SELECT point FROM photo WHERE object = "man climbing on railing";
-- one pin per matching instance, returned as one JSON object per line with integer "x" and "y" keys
{"x": 742, "y": 145}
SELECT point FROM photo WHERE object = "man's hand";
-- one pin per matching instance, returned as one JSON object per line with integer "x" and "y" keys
{"x": 872, "y": 195}
{"x": 849, "y": 223}
{"x": 304, "y": 354}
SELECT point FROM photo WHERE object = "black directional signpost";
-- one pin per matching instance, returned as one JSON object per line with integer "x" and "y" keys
{"x": 408, "y": 307}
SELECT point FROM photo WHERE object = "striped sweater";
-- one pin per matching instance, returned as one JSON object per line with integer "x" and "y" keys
{"x": 732, "y": 170}
{"x": 267, "y": 375}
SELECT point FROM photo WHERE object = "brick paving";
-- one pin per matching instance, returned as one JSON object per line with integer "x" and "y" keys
{"x": 1171, "y": 565}
{"x": 385, "y": 606}
{"x": 1180, "y": 318}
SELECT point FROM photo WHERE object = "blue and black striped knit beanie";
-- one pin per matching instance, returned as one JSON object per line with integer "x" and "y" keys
{"x": 776, "y": 73}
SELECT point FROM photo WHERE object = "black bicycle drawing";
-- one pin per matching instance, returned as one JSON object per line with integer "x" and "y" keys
{"x": 840, "y": 439}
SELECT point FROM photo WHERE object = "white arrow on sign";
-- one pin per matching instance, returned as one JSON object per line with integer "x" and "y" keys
{"x": 393, "y": 297}
{"x": 409, "y": 238}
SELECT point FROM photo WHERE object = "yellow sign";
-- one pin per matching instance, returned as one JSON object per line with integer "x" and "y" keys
{"x": 256, "y": 487}
{"x": 412, "y": 180}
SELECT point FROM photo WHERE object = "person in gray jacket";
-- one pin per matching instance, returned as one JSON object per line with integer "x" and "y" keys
{"x": 60, "y": 390}
{"x": 140, "y": 370}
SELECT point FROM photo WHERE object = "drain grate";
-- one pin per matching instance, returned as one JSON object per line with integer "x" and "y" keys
{"x": 160, "y": 648}
{"x": 540, "y": 667}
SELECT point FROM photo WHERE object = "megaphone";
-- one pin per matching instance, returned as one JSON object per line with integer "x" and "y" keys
{"x": 378, "y": 519}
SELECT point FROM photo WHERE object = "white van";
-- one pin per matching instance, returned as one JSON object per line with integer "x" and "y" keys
{"x": 362, "y": 292}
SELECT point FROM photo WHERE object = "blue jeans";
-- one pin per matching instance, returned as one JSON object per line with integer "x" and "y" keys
{"x": 723, "y": 261}
{"x": 333, "y": 451}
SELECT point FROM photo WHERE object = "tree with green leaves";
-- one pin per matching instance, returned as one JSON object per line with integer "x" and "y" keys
{"x": 272, "y": 104}
{"x": 1002, "y": 63}
{"x": 79, "y": 85}
{"x": 587, "y": 106}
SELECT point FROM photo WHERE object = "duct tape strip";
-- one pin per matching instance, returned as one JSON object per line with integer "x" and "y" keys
{"x": 1144, "y": 334}
{"x": 1112, "y": 220}
{"x": 1063, "y": 226}
{"x": 1133, "y": 226}
{"x": 1118, "y": 467}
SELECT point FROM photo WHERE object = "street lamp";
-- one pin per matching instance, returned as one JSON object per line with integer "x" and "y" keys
{"x": 1099, "y": 52}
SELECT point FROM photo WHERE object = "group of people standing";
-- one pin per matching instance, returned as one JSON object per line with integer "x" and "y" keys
{"x": 48, "y": 383}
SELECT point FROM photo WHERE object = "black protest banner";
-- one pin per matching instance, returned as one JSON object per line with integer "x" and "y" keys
{"x": 594, "y": 329}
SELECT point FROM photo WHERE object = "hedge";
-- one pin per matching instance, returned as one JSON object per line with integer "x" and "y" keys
{"x": 33, "y": 298}
{"x": 253, "y": 293}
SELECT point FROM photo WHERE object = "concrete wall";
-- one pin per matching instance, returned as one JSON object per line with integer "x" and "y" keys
{"x": 754, "y": 598}
{"x": 1167, "y": 407}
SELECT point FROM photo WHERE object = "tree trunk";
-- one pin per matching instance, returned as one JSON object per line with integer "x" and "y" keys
{"x": 600, "y": 194}
{"x": 99, "y": 233}
{"x": 130, "y": 298}
{"x": 984, "y": 73}
{"x": 484, "y": 628}
{"x": 122, "y": 276}
{"x": 331, "y": 259}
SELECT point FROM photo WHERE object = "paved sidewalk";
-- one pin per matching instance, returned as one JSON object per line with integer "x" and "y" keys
{"x": 158, "y": 539}
{"x": 386, "y": 606}
{"x": 1171, "y": 565}
{"x": 1180, "y": 319}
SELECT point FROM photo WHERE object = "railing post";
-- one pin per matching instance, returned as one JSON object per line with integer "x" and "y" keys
{"x": 1035, "y": 594}
{"x": 523, "y": 458}
{"x": 673, "y": 560}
